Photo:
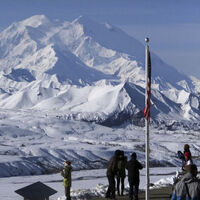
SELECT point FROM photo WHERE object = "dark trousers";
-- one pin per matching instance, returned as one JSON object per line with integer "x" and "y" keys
{"x": 111, "y": 187}
{"x": 67, "y": 193}
{"x": 133, "y": 190}
{"x": 120, "y": 180}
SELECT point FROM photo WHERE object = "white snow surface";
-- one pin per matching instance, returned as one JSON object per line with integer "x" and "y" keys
{"x": 86, "y": 184}
{"x": 37, "y": 143}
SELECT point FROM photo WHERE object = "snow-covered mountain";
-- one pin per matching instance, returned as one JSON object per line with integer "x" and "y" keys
{"x": 90, "y": 71}
{"x": 56, "y": 77}
{"x": 86, "y": 69}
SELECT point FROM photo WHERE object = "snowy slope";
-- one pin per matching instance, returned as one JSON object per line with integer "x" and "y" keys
{"x": 38, "y": 143}
{"x": 118, "y": 53}
{"x": 83, "y": 69}
{"x": 59, "y": 80}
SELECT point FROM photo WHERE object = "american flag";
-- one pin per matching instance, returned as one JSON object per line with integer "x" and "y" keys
{"x": 148, "y": 88}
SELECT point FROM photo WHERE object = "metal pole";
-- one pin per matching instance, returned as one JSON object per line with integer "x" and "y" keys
{"x": 147, "y": 160}
{"x": 147, "y": 124}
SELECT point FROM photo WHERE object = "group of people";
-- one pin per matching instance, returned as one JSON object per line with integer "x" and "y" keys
{"x": 187, "y": 188}
{"x": 116, "y": 171}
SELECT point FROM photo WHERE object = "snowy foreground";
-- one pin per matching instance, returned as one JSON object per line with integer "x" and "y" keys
{"x": 36, "y": 143}
{"x": 86, "y": 183}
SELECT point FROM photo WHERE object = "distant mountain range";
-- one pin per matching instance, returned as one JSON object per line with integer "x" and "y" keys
{"x": 89, "y": 71}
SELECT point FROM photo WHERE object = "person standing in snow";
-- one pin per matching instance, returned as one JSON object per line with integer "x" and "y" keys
{"x": 187, "y": 154}
{"x": 188, "y": 188}
{"x": 121, "y": 173}
{"x": 66, "y": 173}
{"x": 111, "y": 172}
{"x": 133, "y": 166}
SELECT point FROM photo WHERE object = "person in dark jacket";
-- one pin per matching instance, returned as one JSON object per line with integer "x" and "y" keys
{"x": 188, "y": 188}
{"x": 133, "y": 166}
{"x": 67, "y": 181}
{"x": 121, "y": 173}
{"x": 111, "y": 172}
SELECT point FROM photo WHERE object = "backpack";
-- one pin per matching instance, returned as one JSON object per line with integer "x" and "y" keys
{"x": 181, "y": 155}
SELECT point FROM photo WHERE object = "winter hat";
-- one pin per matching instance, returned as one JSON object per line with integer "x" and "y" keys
{"x": 117, "y": 153}
{"x": 186, "y": 147}
{"x": 67, "y": 162}
{"x": 192, "y": 169}
{"x": 134, "y": 155}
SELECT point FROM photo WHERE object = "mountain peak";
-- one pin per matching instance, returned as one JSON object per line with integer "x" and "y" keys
{"x": 35, "y": 21}
{"x": 82, "y": 20}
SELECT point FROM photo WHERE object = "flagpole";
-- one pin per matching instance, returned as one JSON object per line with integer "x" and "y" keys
{"x": 147, "y": 121}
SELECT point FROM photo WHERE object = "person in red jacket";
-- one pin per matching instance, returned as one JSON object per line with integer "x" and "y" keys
{"x": 187, "y": 155}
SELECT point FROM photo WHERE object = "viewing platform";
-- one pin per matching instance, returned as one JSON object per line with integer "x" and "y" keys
{"x": 155, "y": 194}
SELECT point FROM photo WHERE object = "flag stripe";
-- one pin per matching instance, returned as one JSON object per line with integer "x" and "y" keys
{"x": 148, "y": 89}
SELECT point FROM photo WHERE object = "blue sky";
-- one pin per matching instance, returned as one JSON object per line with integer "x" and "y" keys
{"x": 173, "y": 26}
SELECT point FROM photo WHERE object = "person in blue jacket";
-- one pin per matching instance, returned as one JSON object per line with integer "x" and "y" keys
{"x": 188, "y": 188}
